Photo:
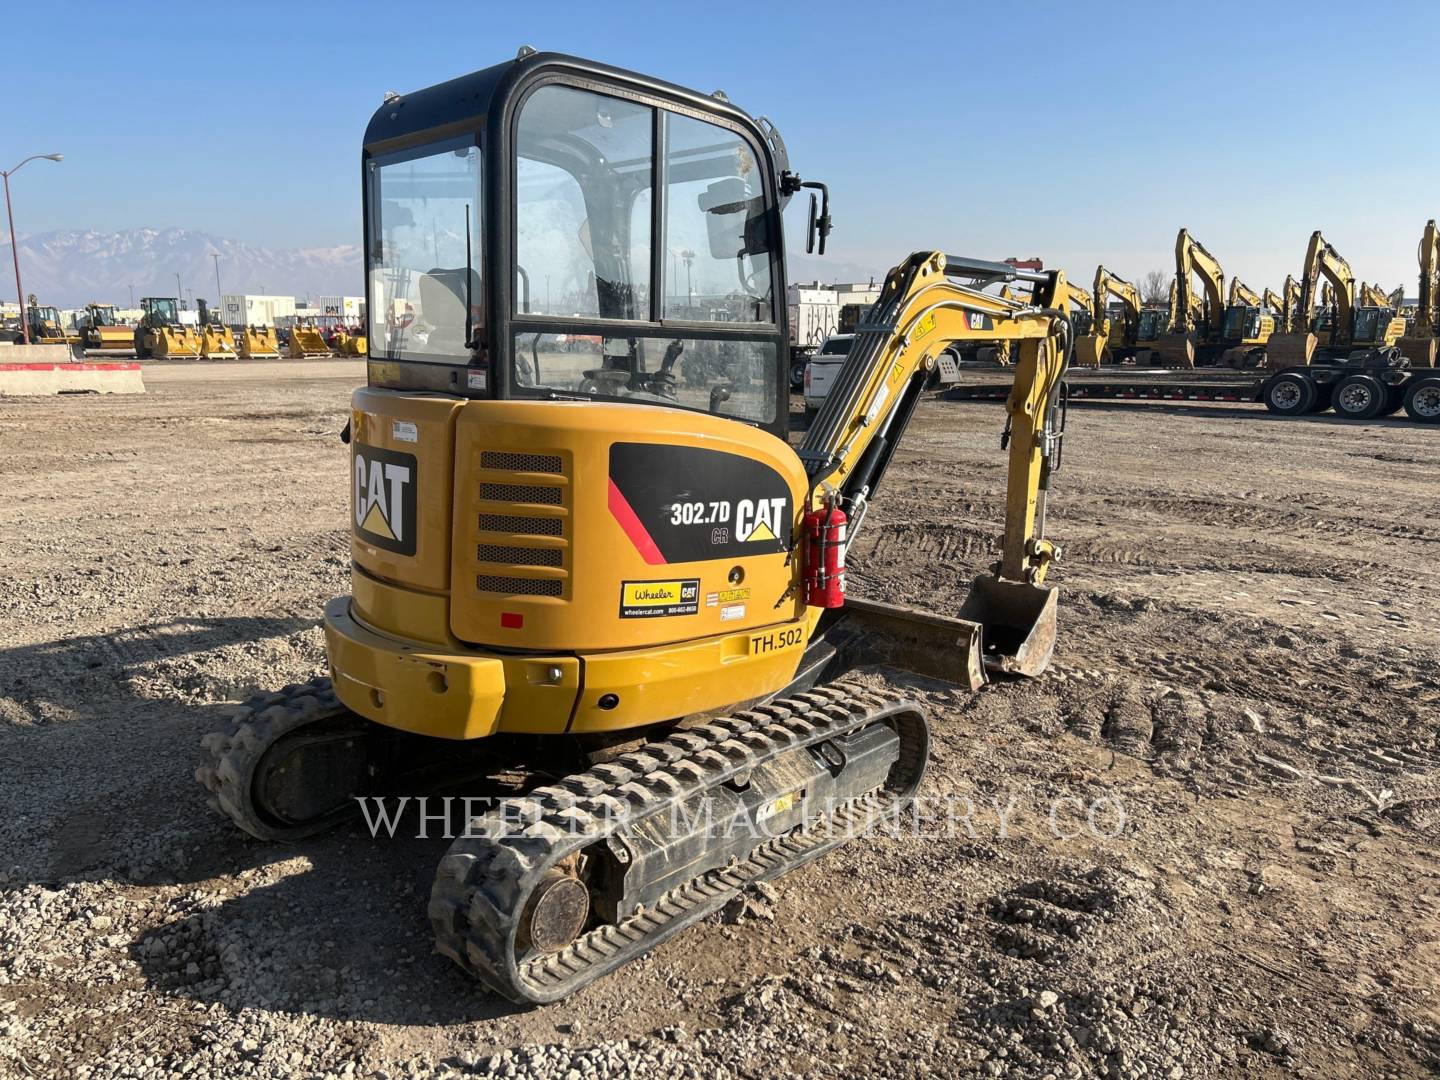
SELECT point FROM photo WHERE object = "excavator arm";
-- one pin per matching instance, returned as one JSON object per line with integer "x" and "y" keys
{"x": 1191, "y": 258}
{"x": 1275, "y": 303}
{"x": 1419, "y": 345}
{"x": 1090, "y": 349}
{"x": 928, "y": 303}
{"x": 1321, "y": 259}
{"x": 1240, "y": 293}
{"x": 1373, "y": 295}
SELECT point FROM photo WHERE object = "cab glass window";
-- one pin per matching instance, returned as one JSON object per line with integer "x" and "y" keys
{"x": 717, "y": 241}
{"x": 582, "y": 219}
{"x": 425, "y": 299}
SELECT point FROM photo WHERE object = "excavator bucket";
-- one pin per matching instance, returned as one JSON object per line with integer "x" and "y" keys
{"x": 307, "y": 342}
{"x": 351, "y": 345}
{"x": 1017, "y": 623}
{"x": 1176, "y": 350}
{"x": 258, "y": 343}
{"x": 1089, "y": 348}
{"x": 1289, "y": 350}
{"x": 216, "y": 343}
{"x": 171, "y": 341}
{"x": 1420, "y": 351}
{"x": 1004, "y": 628}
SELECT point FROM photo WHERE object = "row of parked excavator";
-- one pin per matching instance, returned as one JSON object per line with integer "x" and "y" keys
{"x": 1324, "y": 315}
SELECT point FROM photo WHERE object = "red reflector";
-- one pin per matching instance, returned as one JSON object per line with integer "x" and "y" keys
{"x": 511, "y": 620}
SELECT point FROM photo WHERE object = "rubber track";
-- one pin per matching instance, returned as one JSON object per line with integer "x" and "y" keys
{"x": 485, "y": 878}
{"x": 251, "y": 729}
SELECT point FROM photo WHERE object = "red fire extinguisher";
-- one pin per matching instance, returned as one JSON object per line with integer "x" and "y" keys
{"x": 825, "y": 555}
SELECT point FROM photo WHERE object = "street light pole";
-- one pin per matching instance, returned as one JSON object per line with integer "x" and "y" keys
{"x": 179, "y": 294}
{"x": 15, "y": 243}
{"x": 216, "y": 257}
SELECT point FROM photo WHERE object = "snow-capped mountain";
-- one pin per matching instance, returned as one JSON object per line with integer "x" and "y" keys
{"x": 69, "y": 269}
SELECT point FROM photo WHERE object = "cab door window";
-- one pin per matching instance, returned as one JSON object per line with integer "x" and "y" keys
{"x": 716, "y": 262}
{"x": 582, "y": 222}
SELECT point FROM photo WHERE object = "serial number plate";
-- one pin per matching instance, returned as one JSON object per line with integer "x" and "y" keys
{"x": 777, "y": 640}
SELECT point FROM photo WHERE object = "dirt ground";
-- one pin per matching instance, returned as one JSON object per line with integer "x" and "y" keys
{"x": 1203, "y": 844}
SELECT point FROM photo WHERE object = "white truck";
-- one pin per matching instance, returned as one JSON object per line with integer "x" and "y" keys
{"x": 824, "y": 365}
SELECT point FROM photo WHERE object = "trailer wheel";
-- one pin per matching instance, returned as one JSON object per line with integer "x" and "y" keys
{"x": 1422, "y": 400}
{"x": 1290, "y": 394}
{"x": 1360, "y": 397}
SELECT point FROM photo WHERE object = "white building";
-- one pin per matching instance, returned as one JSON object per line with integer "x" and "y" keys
{"x": 242, "y": 309}
{"x": 856, "y": 293}
{"x": 347, "y": 308}
{"x": 813, "y": 310}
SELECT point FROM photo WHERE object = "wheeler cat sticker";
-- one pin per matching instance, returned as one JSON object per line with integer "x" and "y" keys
{"x": 653, "y": 599}
{"x": 384, "y": 501}
{"x": 686, "y": 504}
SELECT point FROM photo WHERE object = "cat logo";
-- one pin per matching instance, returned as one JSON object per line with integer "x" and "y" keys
{"x": 760, "y": 519}
{"x": 385, "y": 498}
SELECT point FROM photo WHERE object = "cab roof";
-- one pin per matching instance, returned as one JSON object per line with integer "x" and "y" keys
{"x": 462, "y": 104}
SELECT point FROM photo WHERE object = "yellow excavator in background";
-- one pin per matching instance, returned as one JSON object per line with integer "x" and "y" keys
{"x": 1247, "y": 326}
{"x": 1374, "y": 296}
{"x": 1365, "y": 335}
{"x": 160, "y": 335}
{"x": 102, "y": 334}
{"x": 617, "y": 554}
{"x": 1419, "y": 344}
{"x": 1081, "y": 305}
{"x": 1111, "y": 338}
{"x": 1275, "y": 304}
{"x": 1233, "y": 334}
{"x": 1178, "y": 348}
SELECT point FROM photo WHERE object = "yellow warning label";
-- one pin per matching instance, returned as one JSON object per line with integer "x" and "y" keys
{"x": 731, "y": 596}
{"x": 923, "y": 327}
{"x": 776, "y": 806}
{"x": 761, "y": 531}
{"x": 376, "y": 524}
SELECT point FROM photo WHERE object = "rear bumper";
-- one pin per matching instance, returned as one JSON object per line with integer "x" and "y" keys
{"x": 442, "y": 692}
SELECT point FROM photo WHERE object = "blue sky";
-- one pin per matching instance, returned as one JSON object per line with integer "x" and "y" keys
{"x": 983, "y": 129}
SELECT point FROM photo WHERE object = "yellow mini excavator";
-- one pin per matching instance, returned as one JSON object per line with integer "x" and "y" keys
{"x": 160, "y": 335}
{"x": 1418, "y": 345}
{"x": 1363, "y": 334}
{"x": 608, "y": 565}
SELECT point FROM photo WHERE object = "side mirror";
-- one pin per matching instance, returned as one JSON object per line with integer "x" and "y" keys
{"x": 725, "y": 204}
{"x": 819, "y": 224}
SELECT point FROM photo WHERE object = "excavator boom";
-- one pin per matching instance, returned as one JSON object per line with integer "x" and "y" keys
{"x": 1178, "y": 348}
{"x": 1419, "y": 344}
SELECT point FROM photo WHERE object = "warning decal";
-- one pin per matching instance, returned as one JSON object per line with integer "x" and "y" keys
{"x": 656, "y": 599}
{"x": 384, "y": 498}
